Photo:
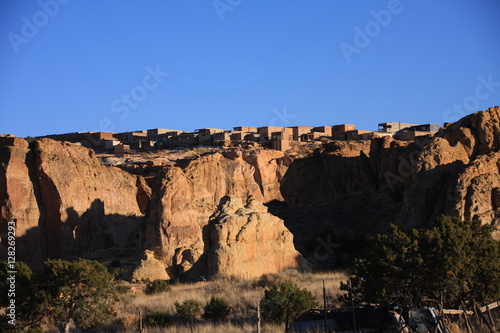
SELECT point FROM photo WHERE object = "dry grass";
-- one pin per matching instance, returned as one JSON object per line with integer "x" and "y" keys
{"x": 242, "y": 295}
{"x": 209, "y": 328}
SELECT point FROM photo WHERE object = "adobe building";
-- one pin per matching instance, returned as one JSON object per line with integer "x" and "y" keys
{"x": 412, "y": 135}
{"x": 205, "y": 135}
{"x": 393, "y": 127}
{"x": 245, "y": 129}
{"x": 281, "y": 140}
{"x": 156, "y": 132}
{"x": 222, "y": 136}
{"x": 312, "y": 136}
{"x": 343, "y": 128}
{"x": 134, "y": 136}
{"x": 326, "y": 130}
{"x": 357, "y": 134}
{"x": 416, "y": 131}
{"x": 266, "y": 131}
{"x": 95, "y": 140}
{"x": 432, "y": 128}
{"x": 110, "y": 144}
{"x": 165, "y": 139}
{"x": 254, "y": 137}
{"x": 237, "y": 135}
{"x": 298, "y": 131}
{"x": 184, "y": 139}
{"x": 122, "y": 150}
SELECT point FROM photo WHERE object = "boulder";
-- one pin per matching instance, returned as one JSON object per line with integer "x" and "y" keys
{"x": 246, "y": 241}
{"x": 150, "y": 269}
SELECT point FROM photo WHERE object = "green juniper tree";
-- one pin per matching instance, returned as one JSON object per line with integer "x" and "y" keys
{"x": 284, "y": 302}
{"x": 456, "y": 260}
{"x": 81, "y": 291}
{"x": 217, "y": 309}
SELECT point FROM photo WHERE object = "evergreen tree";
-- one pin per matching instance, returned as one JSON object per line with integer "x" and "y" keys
{"x": 457, "y": 260}
{"x": 284, "y": 302}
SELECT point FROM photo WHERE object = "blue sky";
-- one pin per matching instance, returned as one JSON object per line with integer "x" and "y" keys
{"x": 74, "y": 65}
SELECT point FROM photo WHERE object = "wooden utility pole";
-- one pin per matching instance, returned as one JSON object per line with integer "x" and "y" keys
{"x": 258, "y": 317}
{"x": 141, "y": 329}
{"x": 352, "y": 306}
{"x": 324, "y": 303}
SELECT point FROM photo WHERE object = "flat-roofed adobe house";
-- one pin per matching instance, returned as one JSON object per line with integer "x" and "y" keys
{"x": 266, "y": 131}
{"x": 245, "y": 129}
{"x": 432, "y": 128}
{"x": 327, "y": 130}
{"x": 298, "y": 131}
{"x": 393, "y": 127}
{"x": 357, "y": 134}
{"x": 154, "y": 133}
{"x": 343, "y": 128}
{"x": 184, "y": 139}
{"x": 222, "y": 136}
{"x": 205, "y": 135}
{"x": 122, "y": 150}
{"x": 412, "y": 135}
{"x": 281, "y": 140}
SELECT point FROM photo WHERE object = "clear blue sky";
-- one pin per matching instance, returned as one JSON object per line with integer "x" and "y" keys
{"x": 78, "y": 65}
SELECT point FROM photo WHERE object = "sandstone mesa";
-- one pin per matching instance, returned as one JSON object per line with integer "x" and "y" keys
{"x": 204, "y": 215}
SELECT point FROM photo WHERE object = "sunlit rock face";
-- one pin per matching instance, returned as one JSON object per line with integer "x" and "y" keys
{"x": 244, "y": 240}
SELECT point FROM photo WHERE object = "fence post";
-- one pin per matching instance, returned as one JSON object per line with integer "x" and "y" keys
{"x": 258, "y": 317}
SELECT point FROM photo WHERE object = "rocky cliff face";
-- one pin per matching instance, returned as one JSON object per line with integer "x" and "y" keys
{"x": 244, "y": 240}
{"x": 455, "y": 173}
{"x": 67, "y": 204}
{"x": 20, "y": 198}
{"x": 185, "y": 196}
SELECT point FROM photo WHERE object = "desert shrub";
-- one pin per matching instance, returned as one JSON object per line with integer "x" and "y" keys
{"x": 284, "y": 302}
{"x": 129, "y": 322}
{"x": 81, "y": 291}
{"x": 456, "y": 261}
{"x": 30, "y": 139}
{"x": 217, "y": 310}
{"x": 157, "y": 287}
{"x": 119, "y": 272}
{"x": 188, "y": 310}
{"x": 158, "y": 319}
{"x": 123, "y": 289}
{"x": 267, "y": 280}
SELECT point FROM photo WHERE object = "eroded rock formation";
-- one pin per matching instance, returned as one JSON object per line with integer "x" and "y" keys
{"x": 150, "y": 269}
{"x": 455, "y": 173}
{"x": 64, "y": 202}
{"x": 244, "y": 240}
{"x": 67, "y": 204}
{"x": 185, "y": 196}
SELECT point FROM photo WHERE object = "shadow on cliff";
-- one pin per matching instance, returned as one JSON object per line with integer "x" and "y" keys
{"x": 111, "y": 239}
{"x": 334, "y": 205}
